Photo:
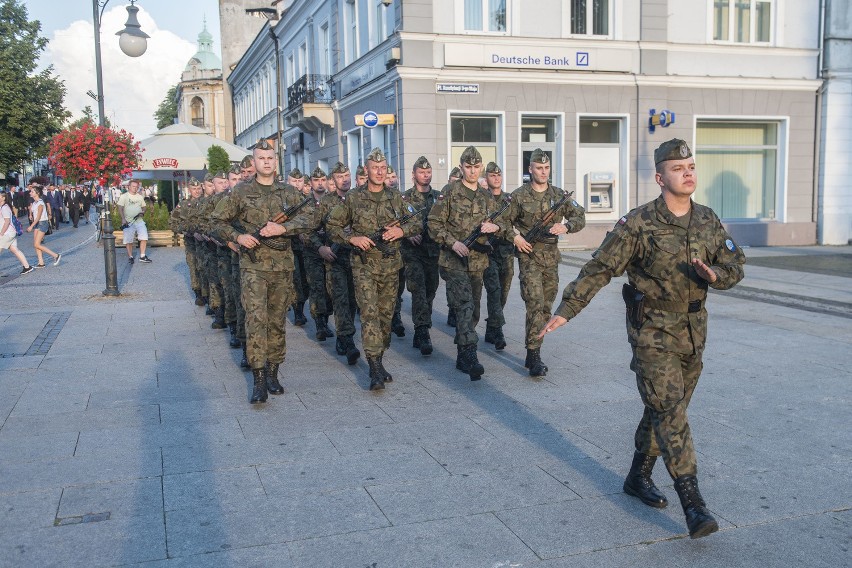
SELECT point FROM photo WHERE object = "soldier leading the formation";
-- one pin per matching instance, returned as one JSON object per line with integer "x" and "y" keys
{"x": 672, "y": 249}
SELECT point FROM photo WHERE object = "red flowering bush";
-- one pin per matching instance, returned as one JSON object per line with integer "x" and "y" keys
{"x": 91, "y": 152}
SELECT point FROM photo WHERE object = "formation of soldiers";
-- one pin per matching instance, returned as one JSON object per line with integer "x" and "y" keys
{"x": 258, "y": 247}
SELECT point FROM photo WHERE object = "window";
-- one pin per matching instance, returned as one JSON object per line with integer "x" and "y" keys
{"x": 290, "y": 78}
{"x": 742, "y": 21}
{"x": 485, "y": 15}
{"x": 538, "y": 132}
{"x": 351, "y": 22}
{"x": 303, "y": 60}
{"x": 738, "y": 168}
{"x": 599, "y": 131}
{"x": 324, "y": 51}
{"x": 380, "y": 27}
{"x": 479, "y": 131}
{"x": 590, "y": 17}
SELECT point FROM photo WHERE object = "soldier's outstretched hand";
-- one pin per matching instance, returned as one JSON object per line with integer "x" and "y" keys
{"x": 704, "y": 271}
{"x": 554, "y": 323}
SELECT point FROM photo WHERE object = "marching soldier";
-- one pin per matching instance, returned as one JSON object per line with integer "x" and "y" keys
{"x": 223, "y": 258}
{"x": 455, "y": 175}
{"x": 501, "y": 266}
{"x": 538, "y": 261}
{"x": 211, "y": 259}
{"x": 420, "y": 255}
{"x": 462, "y": 208}
{"x": 300, "y": 278}
{"x": 672, "y": 250}
{"x": 315, "y": 265}
{"x": 177, "y": 224}
{"x": 375, "y": 269}
{"x": 247, "y": 170}
{"x": 267, "y": 285}
{"x": 360, "y": 176}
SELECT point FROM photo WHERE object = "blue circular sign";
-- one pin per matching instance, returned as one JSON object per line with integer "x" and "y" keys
{"x": 371, "y": 119}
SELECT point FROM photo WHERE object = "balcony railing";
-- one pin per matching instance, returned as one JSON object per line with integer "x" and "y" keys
{"x": 310, "y": 89}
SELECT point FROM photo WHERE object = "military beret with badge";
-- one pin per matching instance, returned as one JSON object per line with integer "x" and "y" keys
{"x": 470, "y": 157}
{"x": 422, "y": 163}
{"x": 674, "y": 149}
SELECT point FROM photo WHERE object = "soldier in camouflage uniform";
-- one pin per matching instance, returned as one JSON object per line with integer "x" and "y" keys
{"x": 189, "y": 220}
{"x": 267, "y": 285}
{"x": 672, "y": 250}
{"x": 375, "y": 273}
{"x": 392, "y": 181}
{"x": 455, "y": 175}
{"x": 223, "y": 257}
{"x": 338, "y": 266}
{"x": 238, "y": 326}
{"x": 460, "y": 209}
{"x": 300, "y": 278}
{"x": 177, "y": 224}
{"x": 538, "y": 262}
{"x": 321, "y": 306}
{"x": 360, "y": 176}
{"x": 501, "y": 266}
{"x": 420, "y": 255}
{"x": 209, "y": 255}
{"x": 247, "y": 170}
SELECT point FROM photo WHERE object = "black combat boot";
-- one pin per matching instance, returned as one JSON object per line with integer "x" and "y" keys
{"x": 639, "y": 483}
{"x": 451, "y": 317}
{"x": 424, "y": 342}
{"x": 209, "y": 311}
{"x": 234, "y": 342}
{"x": 299, "y": 318}
{"x": 219, "y": 319}
{"x": 377, "y": 380}
{"x": 495, "y": 335}
{"x": 536, "y": 367}
{"x": 323, "y": 332}
{"x": 462, "y": 363}
{"x": 340, "y": 346}
{"x": 396, "y": 325}
{"x": 489, "y": 334}
{"x": 474, "y": 367}
{"x": 259, "y": 393}
{"x": 385, "y": 375}
{"x": 244, "y": 361}
{"x": 199, "y": 299}
{"x": 272, "y": 384}
{"x": 698, "y": 519}
{"x": 352, "y": 353}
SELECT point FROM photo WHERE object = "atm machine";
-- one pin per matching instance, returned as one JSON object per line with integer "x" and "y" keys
{"x": 600, "y": 187}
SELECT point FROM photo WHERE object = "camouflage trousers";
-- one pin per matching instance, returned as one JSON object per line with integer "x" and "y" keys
{"x": 400, "y": 288}
{"x": 539, "y": 285}
{"x": 237, "y": 291}
{"x": 320, "y": 299}
{"x": 265, "y": 297}
{"x": 226, "y": 279}
{"x": 666, "y": 382}
{"x": 189, "y": 251}
{"x": 464, "y": 292}
{"x": 214, "y": 283}
{"x": 201, "y": 268}
{"x": 341, "y": 288}
{"x": 497, "y": 280}
{"x": 375, "y": 292}
{"x": 421, "y": 278}
{"x": 300, "y": 277}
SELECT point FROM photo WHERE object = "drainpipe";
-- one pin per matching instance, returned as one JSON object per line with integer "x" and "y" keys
{"x": 278, "y": 124}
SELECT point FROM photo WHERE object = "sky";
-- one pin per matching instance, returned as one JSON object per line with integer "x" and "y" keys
{"x": 133, "y": 87}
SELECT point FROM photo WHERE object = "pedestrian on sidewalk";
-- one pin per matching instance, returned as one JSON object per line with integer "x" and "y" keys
{"x": 672, "y": 250}
{"x": 39, "y": 226}
{"x": 131, "y": 208}
{"x": 8, "y": 234}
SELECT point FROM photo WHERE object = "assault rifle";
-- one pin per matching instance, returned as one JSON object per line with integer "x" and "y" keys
{"x": 485, "y": 248}
{"x": 538, "y": 232}
{"x": 376, "y": 237}
{"x": 277, "y": 242}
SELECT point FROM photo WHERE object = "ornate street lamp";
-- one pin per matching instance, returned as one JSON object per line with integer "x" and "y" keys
{"x": 133, "y": 42}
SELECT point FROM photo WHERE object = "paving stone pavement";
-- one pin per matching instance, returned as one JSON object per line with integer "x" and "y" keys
{"x": 126, "y": 437}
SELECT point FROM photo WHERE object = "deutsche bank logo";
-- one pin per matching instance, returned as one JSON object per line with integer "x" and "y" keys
{"x": 371, "y": 119}
{"x": 582, "y": 59}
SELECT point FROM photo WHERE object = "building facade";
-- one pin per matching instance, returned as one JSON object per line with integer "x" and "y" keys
{"x": 200, "y": 93}
{"x": 598, "y": 84}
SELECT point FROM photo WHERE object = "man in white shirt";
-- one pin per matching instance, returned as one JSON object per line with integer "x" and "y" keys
{"x": 131, "y": 208}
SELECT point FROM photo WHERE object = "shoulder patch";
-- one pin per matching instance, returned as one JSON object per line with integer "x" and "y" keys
{"x": 622, "y": 221}
{"x": 441, "y": 197}
{"x": 574, "y": 203}
{"x": 730, "y": 244}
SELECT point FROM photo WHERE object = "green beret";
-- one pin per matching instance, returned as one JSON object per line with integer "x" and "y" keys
{"x": 422, "y": 163}
{"x": 376, "y": 155}
{"x": 235, "y": 169}
{"x": 306, "y": 178}
{"x": 318, "y": 173}
{"x": 339, "y": 168}
{"x": 455, "y": 173}
{"x": 295, "y": 173}
{"x": 674, "y": 149}
{"x": 246, "y": 162}
{"x": 391, "y": 170}
{"x": 493, "y": 168}
{"x": 539, "y": 157}
{"x": 208, "y": 177}
{"x": 221, "y": 174}
{"x": 360, "y": 171}
{"x": 471, "y": 156}
{"x": 193, "y": 182}
{"x": 263, "y": 144}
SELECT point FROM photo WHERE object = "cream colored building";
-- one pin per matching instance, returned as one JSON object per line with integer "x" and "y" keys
{"x": 200, "y": 93}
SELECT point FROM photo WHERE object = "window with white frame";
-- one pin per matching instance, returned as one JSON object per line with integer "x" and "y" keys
{"x": 482, "y": 131}
{"x": 324, "y": 50}
{"x": 303, "y": 59}
{"x": 350, "y": 21}
{"x": 590, "y": 17}
{"x": 485, "y": 15}
{"x": 291, "y": 71}
{"x": 738, "y": 167}
{"x": 742, "y": 21}
{"x": 379, "y": 32}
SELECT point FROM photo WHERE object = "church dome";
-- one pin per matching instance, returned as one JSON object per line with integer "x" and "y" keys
{"x": 204, "y": 58}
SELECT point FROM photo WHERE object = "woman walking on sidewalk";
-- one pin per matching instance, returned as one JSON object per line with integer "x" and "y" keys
{"x": 38, "y": 227}
{"x": 8, "y": 234}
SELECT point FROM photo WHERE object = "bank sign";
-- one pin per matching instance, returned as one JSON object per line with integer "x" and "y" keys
{"x": 517, "y": 56}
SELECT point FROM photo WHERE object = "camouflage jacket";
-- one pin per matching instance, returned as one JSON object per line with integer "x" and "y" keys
{"x": 457, "y": 213}
{"x": 503, "y": 247}
{"x": 312, "y": 240}
{"x": 528, "y": 206}
{"x": 422, "y": 200}
{"x": 656, "y": 249}
{"x": 176, "y": 219}
{"x": 320, "y": 237}
{"x": 365, "y": 212}
{"x": 251, "y": 205}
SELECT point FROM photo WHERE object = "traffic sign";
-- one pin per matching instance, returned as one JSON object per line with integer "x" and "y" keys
{"x": 370, "y": 119}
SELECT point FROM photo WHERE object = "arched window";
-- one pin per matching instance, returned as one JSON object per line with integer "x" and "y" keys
{"x": 197, "y": 110}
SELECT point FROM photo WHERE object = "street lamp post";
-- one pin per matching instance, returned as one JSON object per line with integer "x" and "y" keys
{"x": 133, "y": 42}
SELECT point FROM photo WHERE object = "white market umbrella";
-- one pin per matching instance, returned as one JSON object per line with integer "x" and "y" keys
{"x": 182, "y": 148}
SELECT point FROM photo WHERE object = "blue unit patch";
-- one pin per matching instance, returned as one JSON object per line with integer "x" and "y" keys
{"x": 730, "y": 244}
{"x": 574, "y": 203}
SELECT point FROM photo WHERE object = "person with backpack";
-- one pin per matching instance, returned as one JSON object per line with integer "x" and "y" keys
{"x": 10, "y": 230}
{"x": 39, "y": 226}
